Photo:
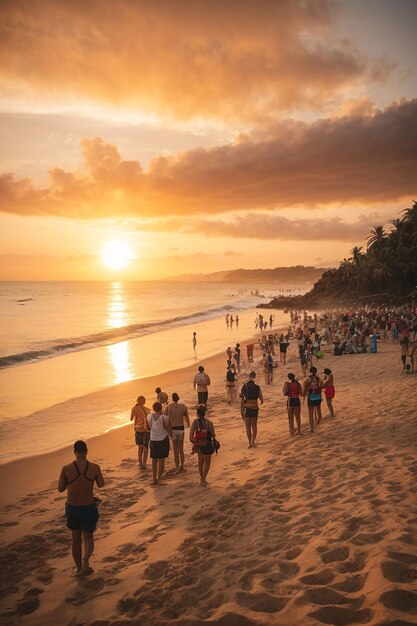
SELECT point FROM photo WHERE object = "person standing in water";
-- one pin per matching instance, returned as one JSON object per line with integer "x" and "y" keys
{"x": 194, "y": 341}
{"x": 78, "y": 479}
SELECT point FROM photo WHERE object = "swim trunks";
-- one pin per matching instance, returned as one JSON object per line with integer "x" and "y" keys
{"x": 294, "y": 402}
{"x": 177, "y": 433}
{"x": 82, "y": 517}
{"x": 142, "y": 439}
{"x": 251, "y": 412}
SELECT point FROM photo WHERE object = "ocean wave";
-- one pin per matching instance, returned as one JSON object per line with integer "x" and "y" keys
{"x": 57, "y": 347}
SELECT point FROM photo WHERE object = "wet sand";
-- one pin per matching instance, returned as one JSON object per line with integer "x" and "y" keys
{"x": 320, "y": 529}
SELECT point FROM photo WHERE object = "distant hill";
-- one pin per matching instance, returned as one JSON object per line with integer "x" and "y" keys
{"x": 296, "y": 274}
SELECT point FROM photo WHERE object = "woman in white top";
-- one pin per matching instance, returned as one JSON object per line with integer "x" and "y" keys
{"x": 160, "y": 429}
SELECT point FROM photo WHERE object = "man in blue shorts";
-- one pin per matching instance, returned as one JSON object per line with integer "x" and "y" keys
{"x": 81, "y": 511}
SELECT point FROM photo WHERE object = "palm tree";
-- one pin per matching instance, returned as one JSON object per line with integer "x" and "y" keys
{"x": 377, "y": 237}
{"x": 356, "y": 256}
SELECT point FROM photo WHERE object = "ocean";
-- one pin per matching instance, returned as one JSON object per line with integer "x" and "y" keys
{"x": 64, "y": 340}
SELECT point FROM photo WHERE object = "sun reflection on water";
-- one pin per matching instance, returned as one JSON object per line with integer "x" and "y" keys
{"x": 117, "y": 317}
{"x": 117, "y": 306}
{"x": 120, "y": 360}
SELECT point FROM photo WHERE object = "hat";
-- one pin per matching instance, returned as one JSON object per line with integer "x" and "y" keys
{"x": 80, "y": 446}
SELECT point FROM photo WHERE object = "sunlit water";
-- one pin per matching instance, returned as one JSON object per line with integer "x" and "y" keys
{"x": 158, "y": 321}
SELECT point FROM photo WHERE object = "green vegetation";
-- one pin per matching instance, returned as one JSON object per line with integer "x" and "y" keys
{"x": 386, "y": 271}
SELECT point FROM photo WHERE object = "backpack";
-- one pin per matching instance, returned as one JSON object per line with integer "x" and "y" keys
{"x": 294, "y": 388}
{"x": 230, "y": 377}
{"x": 314, "y": 386}
{"x": 201, "y": 435}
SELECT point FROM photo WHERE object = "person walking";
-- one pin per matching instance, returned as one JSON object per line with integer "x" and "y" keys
{"x": 78, "y": 480}
{"x": 138, "y": 415}
{"x": 202, "y": 434}
{"x": 201, "y": 384}
{"x": 160, "y": 432}
{"x": 178, "y": 417}
{"x": 250, "y": 395}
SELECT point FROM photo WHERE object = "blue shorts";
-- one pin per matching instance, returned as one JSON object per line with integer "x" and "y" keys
{"x": 82, "y": 517}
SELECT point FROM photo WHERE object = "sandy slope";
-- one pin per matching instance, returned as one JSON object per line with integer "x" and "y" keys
{"x": 319, "y": 529}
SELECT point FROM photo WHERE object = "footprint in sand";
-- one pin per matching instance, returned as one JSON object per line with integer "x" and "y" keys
{"x": 356, "y": 564}
{"x": 323, "y": 577}
{"x": 341, "y": 616}
{"x": 324, "y": 596}
{"x": 400, "y": 600}
{"x": 398, "y": 572}
{"x": 336, "y": 554}
{"x": 351, "y": 584}
{"x": 261, "y": 602}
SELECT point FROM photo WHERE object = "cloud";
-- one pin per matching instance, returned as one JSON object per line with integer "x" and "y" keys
{"x": 369, "y": 159}
{"x": 269, "y": 226}
{"x": 234, "y": 60}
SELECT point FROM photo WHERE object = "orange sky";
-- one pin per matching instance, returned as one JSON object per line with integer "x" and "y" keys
{"x": 203, "y": 135}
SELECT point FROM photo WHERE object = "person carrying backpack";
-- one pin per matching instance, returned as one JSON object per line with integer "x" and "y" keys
{"x": 292, "y": 389}
{"x": 312, "y": 389}
{"x": 202, "y": 435}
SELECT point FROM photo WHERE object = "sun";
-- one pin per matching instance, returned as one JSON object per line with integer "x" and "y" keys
{"x": 116, "y": 255}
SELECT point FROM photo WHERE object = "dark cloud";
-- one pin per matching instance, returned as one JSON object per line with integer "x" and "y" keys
{"x": 357, "y": 159}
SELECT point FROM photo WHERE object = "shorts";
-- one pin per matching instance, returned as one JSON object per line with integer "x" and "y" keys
{"x": 177, "y": 434}
{"x": 251, "y": 412}
{"x": 82, "y": 517}
{"x": 202, "y": 397}
{"x": 142, "y": 439}
{"x": 329, "y": 392}
{"x": 313, "y": 402}
{"x": 160, "y": 449}
{"x": 294, "y": 402}
{"x": 208, "y": 449}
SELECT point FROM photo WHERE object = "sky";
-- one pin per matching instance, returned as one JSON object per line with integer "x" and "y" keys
{"x": 146, "y": 139}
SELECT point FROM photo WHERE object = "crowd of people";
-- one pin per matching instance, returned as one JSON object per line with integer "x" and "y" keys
{"x": 164, "y": 426}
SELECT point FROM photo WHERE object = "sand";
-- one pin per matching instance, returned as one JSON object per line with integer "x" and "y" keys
{"x": 320, "y": 529}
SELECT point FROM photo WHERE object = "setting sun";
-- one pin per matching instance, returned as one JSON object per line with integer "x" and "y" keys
{"x": 116, "y": 255}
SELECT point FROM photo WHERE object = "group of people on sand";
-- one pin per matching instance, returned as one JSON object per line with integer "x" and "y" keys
{"x": 164, "y": 426}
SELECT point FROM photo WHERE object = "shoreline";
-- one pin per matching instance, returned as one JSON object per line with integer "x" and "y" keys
{"x": 122, "y": 397}
{"x": 49, "y": 392}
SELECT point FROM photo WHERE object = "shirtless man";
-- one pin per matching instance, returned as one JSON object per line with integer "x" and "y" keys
{"x": 78, "y": 479}
{"x": 138, "y": 415}
{"x": 178, "y": 414}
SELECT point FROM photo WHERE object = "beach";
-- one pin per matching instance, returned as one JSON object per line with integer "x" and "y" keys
{"x": 298, "y": 530}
